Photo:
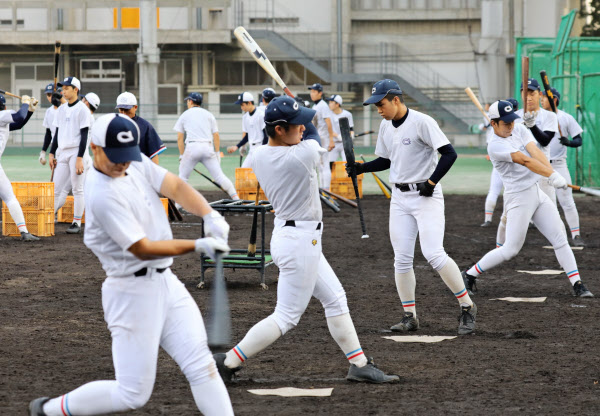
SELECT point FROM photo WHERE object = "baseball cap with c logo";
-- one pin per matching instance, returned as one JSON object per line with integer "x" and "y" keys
{"x": 119, "y": 137}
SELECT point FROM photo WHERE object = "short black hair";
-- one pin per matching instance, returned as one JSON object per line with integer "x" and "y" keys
{"x": 267, "y": 100}
{"x": 270, "y": 128}
{"x": 390, "y": 97}
{"x": 497, "y": 120}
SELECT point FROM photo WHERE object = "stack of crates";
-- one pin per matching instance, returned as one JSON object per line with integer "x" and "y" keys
{"x": 341, "y": 183}
{"x": 246, "y": 183}
{"x": 37, "y": 202}
{"x": 65, "y": 214}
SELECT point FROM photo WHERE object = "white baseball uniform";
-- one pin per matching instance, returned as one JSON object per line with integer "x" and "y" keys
{"x": 495, "y": 182}
{"x": 253, "y": 125}
{"x": 338, "y": 150}
{"x": 145, "y": 305}
{"x": 524, "y": 201}
{"x": 49, "y": 117}
{"x": 412, "y": 149}
{"x": 558, "y": 159}
{"x": 323, "y": 112}
{"x": 70, "y": 119}
{"x": 287, "y": 175}
{"x": 199, "y": 125}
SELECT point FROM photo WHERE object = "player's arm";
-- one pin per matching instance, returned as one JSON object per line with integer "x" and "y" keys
{"x": 331, "y": 133}
{"x": 217, "y": 141}
{"x": 19, "y": 118}
{"x": 53, "y": 147}
{"x": 180, "y": 144}
{"x": 79, "y": 168}
{"x": 242, "y": 142}
{"x": 575, "y": 142}
{"x": 447, "y": 159}
{"x": 155, "y": 145}
{"x": 537, "y": 154}
{"x": 531, "y": 163}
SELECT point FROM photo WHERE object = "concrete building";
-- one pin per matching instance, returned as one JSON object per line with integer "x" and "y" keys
{"x": 434, "y": 48}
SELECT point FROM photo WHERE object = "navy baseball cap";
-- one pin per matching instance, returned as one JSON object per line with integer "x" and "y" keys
{"x": 70, "y": 82}
{"x": 514, "y": 103}
{"x": 502, "y": 110}
{"x": 49, "y": 88}
{"x": 2, "y": 101}
{"x": 316, "y": 86}
{"x": 119, "y": 137}
{"x": 532, "y": 84}
{"x": 285, "y": 109}
{"x": 381, "y": 89}
{"x": 554, "y": 92}
{"x": 196, "y": 97}
{"x": 268, "y": 93}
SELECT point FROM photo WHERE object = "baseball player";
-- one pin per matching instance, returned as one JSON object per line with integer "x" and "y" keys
{"x": 14, "y": 120}
{"x": 324, "y": 126}
{"x": 337, "y": 112}
{"x": 558, "y": 159}
{"x": 55, "y": 98}
{"x": 407, "y": 145}
{"x": 267, "y": 96}
{"x": 145, "y": 305}
{"x": 253, "y": 126}
{"x": 285, "y": 168}
{"x": 495, "y": 182}
{"x": 72, "y": 122}
{"x": 150, "y": 143}
{"x": 201, "y": 143}
{"x": 520, "y": 162}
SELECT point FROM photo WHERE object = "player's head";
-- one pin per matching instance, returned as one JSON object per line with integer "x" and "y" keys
{"x": 533, "y": 94}
{"x": 335, "y": 102}
{"x": 546, "y": 103}
{"x": 514, "y": 103}
{"x": 267, "y": 95}
{"x": 127, "y": 104}
{"x": 92, "y": 101}
{"x": 2, "y": 103}
{"x": 285, "y": 120}
{"x": 48, "y": 91}
{"x": 245, "y": 101}
{"x": 316, "y": 91}
{"x": 387, "y": 97}
{"x": 70, "y": 88}
{"x": 115, "y": 144}
{"x": 502, "y": 116}
{"x": 194, "y": 99}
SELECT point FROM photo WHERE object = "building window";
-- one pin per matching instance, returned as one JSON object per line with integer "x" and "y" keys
{"x": 170, "y": 71}
{"x": 227, "y": 105}
{"x": 100, "y": 69}
{"x": 169, "y": 99}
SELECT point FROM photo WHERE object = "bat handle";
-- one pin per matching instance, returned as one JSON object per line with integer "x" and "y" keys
{"x": 288, "y": 92}
{"x": 575, "y": 187}
{"x": 363, "y": 226}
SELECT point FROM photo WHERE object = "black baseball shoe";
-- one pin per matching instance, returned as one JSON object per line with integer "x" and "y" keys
{"x": 580, "y": 291}
{"x": 578, "y": 241}
{"x": 74, "y": 229}
{"x": 469, "y": 283}
{"x": 408, "y": 323}
{"x": 29, "y": 237}
{"x": 466, "y": 320}
{"x": 227, "y": 374}
{"x": 487, "y": 224}
{"x": 370, "y": 374}
{"x": 36, "y": 407}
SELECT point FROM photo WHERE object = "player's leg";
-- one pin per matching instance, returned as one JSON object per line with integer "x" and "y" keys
{"x": 16, "y": 212}
{"x": 184, "y": 339}
{"x": 492, "y": 197}
{"x": 548, "y": 189}
{"x": 565, "y": 198}
{"x": 62, "y": 180}
{"x": 214, "y": 168}
{"x": 501, "y": 233}
{"x": 191, "y": 156}
{"x": 78, "y": 201}
{"x": 134, "y": 312}
{"x": 548, "y": 222}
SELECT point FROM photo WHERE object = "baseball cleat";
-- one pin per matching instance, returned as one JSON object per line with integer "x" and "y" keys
{"x": 466, "y": 320}
{"x": 74, "y": 229}
{"x": 469, "y": 283}
{"x": 486, "y": 224}
{"x": 408, "y": 323}
{"x": 370, "y": 374}
{"x": 580, "y": 291}
{"x": 36, "y": 407}
{"x": 578, "y": 241}
{"x": 227, "y": 374}
{"x": 29, "y": 237}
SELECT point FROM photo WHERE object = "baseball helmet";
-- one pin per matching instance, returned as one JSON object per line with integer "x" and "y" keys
{"x": 195, "y": 97}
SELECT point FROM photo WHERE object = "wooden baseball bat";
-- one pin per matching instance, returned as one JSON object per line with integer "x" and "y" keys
{"x": 56, "y": 61}
{"x": 219, "y": 328}
{"x": 585, "y": 190}
{"x": 10, "y": 94}
{"x": 477, "y": 103}
{"x": 175, "y": 214}
{"x": 349, "y": 152}
{"x": 550, "y": 96}
{"x": 364, "y": 133}
{"x": 213, "y": 182}
{"x": 341, "y": 198}
{"x": 385, "y": 188}
{"x": 524, "y": 80}
{"x": 259, "y": 56}
{"x": 252, "y": 242}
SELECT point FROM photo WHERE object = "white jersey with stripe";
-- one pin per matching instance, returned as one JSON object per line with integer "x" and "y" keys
{"x": 570, "y": 128}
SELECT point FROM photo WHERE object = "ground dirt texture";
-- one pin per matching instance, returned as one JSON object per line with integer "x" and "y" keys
{"x": 523, "y": 359}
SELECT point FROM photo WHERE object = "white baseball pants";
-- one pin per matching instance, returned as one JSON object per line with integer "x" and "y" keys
{"x": 204, "y": 152}
{"x": 565, "y": 197}
{"x": 66, "y": 179}
{"x": 337, "y": 152}
{"x": 8, "y": 196}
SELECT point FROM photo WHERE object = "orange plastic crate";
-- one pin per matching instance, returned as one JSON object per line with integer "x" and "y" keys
{"x": 246, "y": 183}
{"x": 165, "y": 202}
{"x": 345, "y": 188}
{"x": 40, "y": 223}
{"x": 339, "y": 171}
{"x": 65, "y": 214}
{"x": 34, "y": 195}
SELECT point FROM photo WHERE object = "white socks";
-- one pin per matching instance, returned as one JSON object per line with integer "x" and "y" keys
{"x": 490, "y": 205}
{"x": 212, "y": 398}
{"x": 452, "y": 277}
{"x": 405, "y": 284}
{"x": 17, "y": 215}
{"x": 572, "y": 217}
{"x": 95, "y": 398}
{"x": 257, "y": 339}
{"x": 343, "y": 332}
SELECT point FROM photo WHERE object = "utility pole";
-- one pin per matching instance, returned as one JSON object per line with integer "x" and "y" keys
{"x": 148, "y": 57}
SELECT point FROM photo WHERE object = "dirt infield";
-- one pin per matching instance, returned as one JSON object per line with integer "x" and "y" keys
{"x": 524, "y": 358}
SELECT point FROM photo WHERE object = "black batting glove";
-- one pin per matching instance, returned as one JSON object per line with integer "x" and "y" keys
{"x": 425, "y": 188}
{"x": 564, "y": 141}
{"x": 354, "y": 169}
{"x": 55, "y": 99}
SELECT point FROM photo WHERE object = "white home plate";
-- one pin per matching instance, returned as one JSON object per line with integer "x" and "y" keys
{"x": 418, "y": 338}
{"x": 533, "y": 300}
{"x": 293, "y": 392}
{"x": 551, "y": 272}
{"x": 572, "y": 248}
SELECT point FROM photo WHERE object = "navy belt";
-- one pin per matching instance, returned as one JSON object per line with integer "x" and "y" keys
{"x": 292, "y": 223}
{"x": 144, "y": 271}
